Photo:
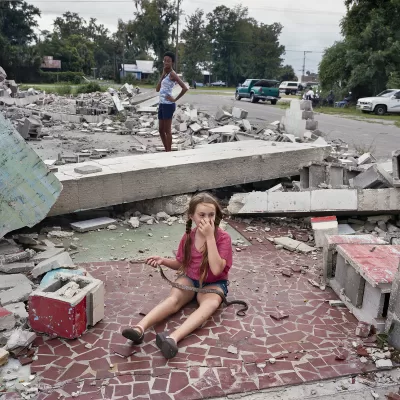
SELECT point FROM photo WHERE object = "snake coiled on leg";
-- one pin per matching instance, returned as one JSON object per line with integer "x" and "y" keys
{"x": 240, "y": 313}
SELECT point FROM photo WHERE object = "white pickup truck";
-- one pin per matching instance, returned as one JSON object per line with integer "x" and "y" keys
{"x": 386, "y": 102}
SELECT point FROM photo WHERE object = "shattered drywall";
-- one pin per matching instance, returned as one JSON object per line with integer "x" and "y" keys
{"x": 27, "y": 189}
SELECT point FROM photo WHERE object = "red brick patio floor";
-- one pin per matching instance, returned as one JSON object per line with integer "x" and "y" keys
{"x": 312, "y": 335}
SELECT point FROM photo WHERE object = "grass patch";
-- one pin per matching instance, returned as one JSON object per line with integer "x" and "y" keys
{"x": 352, "y": 112}
{"x": 284, "y": 105}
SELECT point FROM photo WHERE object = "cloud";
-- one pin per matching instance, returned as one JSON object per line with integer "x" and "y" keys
{"x": 308, "y": 26}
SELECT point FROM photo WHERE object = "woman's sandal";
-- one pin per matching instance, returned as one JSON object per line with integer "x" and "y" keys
{"x": 134, "y": 333}
{"x": 167, "y": 345}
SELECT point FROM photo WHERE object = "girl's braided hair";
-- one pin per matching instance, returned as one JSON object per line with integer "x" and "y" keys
{"x": 196, "y": 200}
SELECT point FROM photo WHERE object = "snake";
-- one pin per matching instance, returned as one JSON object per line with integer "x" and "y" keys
{"x": 240, "y": 313}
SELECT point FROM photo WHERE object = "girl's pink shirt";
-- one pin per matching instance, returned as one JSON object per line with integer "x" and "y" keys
{"x": 224, "y": 246}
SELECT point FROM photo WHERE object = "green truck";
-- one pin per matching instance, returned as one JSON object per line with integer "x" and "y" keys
{"x": 258, "y": 89}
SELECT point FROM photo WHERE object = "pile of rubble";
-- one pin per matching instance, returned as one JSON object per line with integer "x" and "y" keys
{"x": 8, "y": 88}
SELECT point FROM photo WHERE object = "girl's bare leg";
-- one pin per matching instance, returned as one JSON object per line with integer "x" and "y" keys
{"x": 161, "y": 131}
{"x": 172, "y": 304}
{"x": 209, "y": 303}
{"x": 168, "y": 134}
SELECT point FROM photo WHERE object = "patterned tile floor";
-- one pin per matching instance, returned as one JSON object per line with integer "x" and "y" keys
{"x": 305, "y": 344}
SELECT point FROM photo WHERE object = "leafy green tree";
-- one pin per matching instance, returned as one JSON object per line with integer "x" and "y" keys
{"x": 333, "y": 69}
{"x": 371, "y": 45}
{"x": 195, "y": 46}
{"x": 17, "y": 24}
{"x": 286, "y": 73}
{"x": 154, "y": 25}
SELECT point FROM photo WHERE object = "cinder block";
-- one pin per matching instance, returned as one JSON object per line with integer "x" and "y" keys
{"x": 311, "y": 125}
{"x": 305, "y": 178}
{"x": 374, "y": 177}
{"x": 332, "y": 241}
{"x": 45, "y": 255}
{"x": 396, "y": 168}
{"x": 317, "y": 175}
{"x": 323, "y": 226}
{"x": 54, "y": 312}
{"x": 335, "y": 175}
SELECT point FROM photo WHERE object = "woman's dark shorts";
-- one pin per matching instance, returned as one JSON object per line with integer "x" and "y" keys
{"x": 223, "y": 284}
{"x": 166, "y": 111}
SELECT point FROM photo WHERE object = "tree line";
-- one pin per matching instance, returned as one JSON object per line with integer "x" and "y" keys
{"x": 226, "y": 40}
{"x": 367, "y": 60}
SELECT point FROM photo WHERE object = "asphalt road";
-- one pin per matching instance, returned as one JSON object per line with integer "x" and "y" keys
{"x": 381, "y": 138}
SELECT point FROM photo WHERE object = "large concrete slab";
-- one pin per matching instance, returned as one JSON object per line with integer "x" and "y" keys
{"x": 27, "y": 189}
{"x": 148, "y": 176}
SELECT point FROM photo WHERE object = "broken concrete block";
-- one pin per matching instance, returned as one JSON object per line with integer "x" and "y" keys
{"x": 195, "y": 127}
{"x": 92, "y": 224}
{"x": 306, "y": 105}
{"x": 311, "y": 125}
{"x": 375, "y": 177}
{"x": 45, "y": 255}
{"x": 16, "y": 294}
{"x": 18, "y": 310}
{"x": 287, "y": 243}
{"x": 134, "y": 222}
{"x": 384, "y": 364}
{"x": 334, "y": 199}
{"x": 3, "y": 356}
{"x": 16, "y": 268}
{"x": 366, "y": 158}
{"x": 323, "y": 226}
{"x": 29, "y": 190}
{"x": 246, "y": 125}
{"x": 55, "y": 314}
{"x": 62, "y": 260}
{"x": 396, "y": 168}
{"x": 222, "y": 115}
{"x": 183, "y": 127}
{"x": 239, "y": 113}
{"x": 20, "y": 338}
{"x": 7, "y": 319}
{"x": 88, "y": 169}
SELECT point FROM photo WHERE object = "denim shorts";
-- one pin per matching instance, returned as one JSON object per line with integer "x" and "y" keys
{"x": 166, "y": 111}
{"x": 223, "y": 284}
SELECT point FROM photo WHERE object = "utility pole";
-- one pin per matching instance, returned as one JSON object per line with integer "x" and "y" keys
{"x": 177, "y": 34}
{"x": 304, "y": 62}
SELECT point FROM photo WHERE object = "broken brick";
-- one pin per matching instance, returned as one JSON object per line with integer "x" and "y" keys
{"x": 279, "y": 315}
{"x": 363, "y": 329}
{"x": 296, "y": 268}
{"x": 25, "y": 360}
{"x": 287, "y": 272}
{"x": 362, "y": 351}
{"x": 342, "y": 355}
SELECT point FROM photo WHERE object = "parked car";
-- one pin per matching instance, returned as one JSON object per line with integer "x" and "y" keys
{"x": 386, "y": 102}
{"x": 289, "y": 87}
{"x": 218, "y": 83}
{"x": 258, "y": 89}
{"x": 199, "y": 84}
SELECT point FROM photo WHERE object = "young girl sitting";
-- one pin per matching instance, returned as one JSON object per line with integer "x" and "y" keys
{"x": 203, "y": 259}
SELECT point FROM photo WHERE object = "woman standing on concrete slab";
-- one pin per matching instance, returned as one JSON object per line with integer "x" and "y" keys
{"x": 167, "y": 104}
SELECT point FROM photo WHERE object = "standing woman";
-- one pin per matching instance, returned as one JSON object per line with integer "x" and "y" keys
{"x": 167, "y": 104}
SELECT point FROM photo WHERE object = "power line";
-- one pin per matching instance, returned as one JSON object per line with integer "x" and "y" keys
{"x": 275, "y": 9}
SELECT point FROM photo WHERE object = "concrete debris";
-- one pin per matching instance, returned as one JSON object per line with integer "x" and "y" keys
{"x": 20, "y": 338}
{"x": 7, "y": 319}
{"x": 62, "y": 260}
{"x": 92, "y": 225}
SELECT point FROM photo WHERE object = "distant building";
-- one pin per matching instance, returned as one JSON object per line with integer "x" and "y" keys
{"x": 141, "y": 70}
{"x": 312, "y": 78}
{"x": 50, "y": 63}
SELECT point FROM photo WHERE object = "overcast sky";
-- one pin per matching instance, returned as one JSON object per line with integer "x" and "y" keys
{"x": 308, "y": 25}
